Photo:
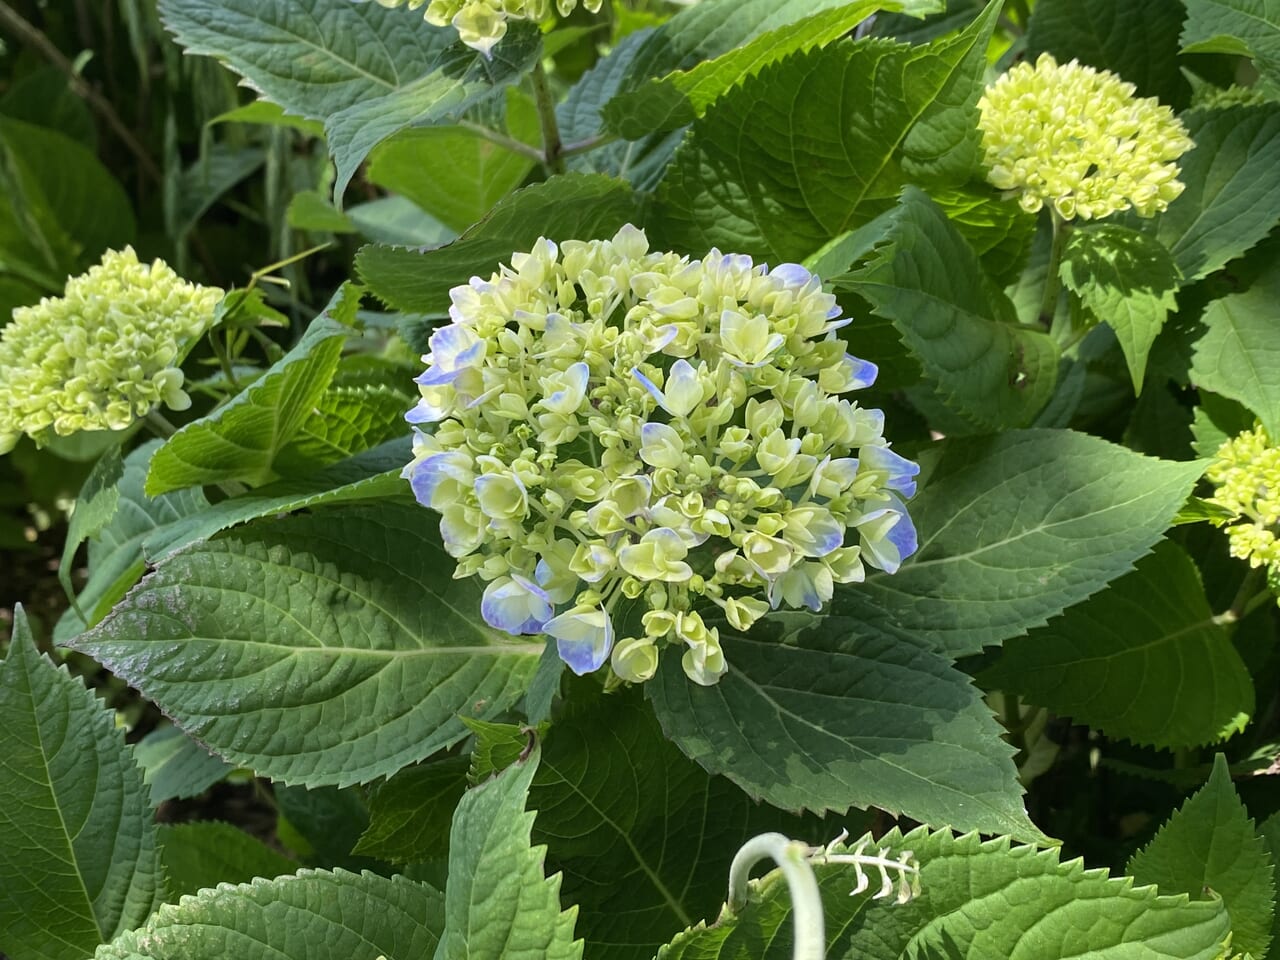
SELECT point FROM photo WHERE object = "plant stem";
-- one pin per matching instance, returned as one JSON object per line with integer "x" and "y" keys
{"x": 1052, "y": 282}
{"x": 808, "y": 928}
{"x": 32, "y": 35}
{"x": 502, "y": 140}
{"x": 160, "y": 424}
{"x": 552, "y": 148}
{"x": 1241, "y": 601}
{"x": 587, "y": 145}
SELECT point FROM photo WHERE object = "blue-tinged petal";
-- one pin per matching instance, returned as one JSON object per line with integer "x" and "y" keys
{"x": 515, "y": 605}
{"x": 901, "y": 471}
{"x": 584, "y": 638}
{"x": 791, "y": 273}
{"x": 903, "y": 535}
{"x": 864, "y": 372}
{"x": 654, "y": 390}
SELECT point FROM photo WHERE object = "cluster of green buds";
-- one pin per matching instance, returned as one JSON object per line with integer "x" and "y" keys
{"x": 482, "y": 23}
{"x": 104, "y": 353}
{"x": 1078, "y": 139}
{"x": 1247, "y": 476}
{"x": 617, "y": 424}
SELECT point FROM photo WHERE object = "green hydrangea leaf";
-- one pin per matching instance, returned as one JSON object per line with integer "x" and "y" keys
{"x": 323, "y": 824}
{"x": 1232, "y": 197}
{"x": 345, "y": 421}
{"x": 1216, "y": 420}
{"x": 410, "y": 814}
{"x": 117, "y": 557}
{"x": 642, "y": 835}
{"x": 316, "y": 915}
{"x": 804, "y": 714}
{"x": 1269, "y": 831}
{"x": 361, "y": 69}
{"x": 1137, "y": 40}
{"x": 1239, "y": 355}
{"x": 924, "y": 277}
{"x": 570, "y": 207}
{"x": 499, "y": 902}
{"x": 467, "y": 174}
{"x": 62, "y": 207}
{"x": 734, "y": 40}
{"x": 999, "y": 231}
{"x": 371, "y": 475}
{"x": 77, "y": 840}
{"x": 1208, "y": 849}
{"x": 1247, "y": 28}
{"x": 991, "y": 899}
{"x": 241, "y": 439}
{"x": 580, "y": 115}
{"x": 198, "y": 187}
{"x": 822, "y": 143}
{"x": 1163, "y": 674}
{"x": 96, "y": 505}
{"x": 1127, "y": 280}
{"x": 205, "y": 854}
{"x": 1016, "y": 528}
{"x": 327, "y": 648}
{"x": 174, "y": 766}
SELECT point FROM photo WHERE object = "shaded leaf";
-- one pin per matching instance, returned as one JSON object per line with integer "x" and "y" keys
{"x": 328, "y": 648}
{"x": 77, "y": 842}
{"x": 200, "y": 855}
{"x": 1163, "y": 674}
{"x": 1208, "y": 849}
{"x": 176, "y": 767}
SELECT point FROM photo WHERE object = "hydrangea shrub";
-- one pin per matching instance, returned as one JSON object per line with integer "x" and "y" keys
{"x": 838, "y": 413}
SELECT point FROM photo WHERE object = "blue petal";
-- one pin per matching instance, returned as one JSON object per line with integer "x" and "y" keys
{"x": 864, "y": 372}
{"x": 649, "y": 385}
{"x": 903, "y": 535}
{"x": 791, "y": 273}
{"x": 902, "y": 472}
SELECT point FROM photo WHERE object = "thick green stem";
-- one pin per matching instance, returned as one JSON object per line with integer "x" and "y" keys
{"x": 160, "y": 424}
{"x": 552, "y": 148}
{"x": 808, "y": 928}
{"x": 1052, "y": 282}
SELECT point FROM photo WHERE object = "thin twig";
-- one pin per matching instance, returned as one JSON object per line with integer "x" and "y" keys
{"x": 586, "y": 145}
{"x": 36, "y": 38}
{"x": 502, "y": 140}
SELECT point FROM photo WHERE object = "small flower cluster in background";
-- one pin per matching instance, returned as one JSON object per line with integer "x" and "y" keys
{"x": 1078, "y": 139}
{"x": 618, "y": 424}
{"x": 482, "y": 23}
{"x": 1247, "y": 476}
{"x": 104, "y": 353}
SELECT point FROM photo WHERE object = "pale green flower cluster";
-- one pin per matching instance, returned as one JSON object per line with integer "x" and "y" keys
{"x": 1078, "y": 139}
{"x": 1247, "y": 476}
{"x": 614, "y": 425}
{"x": 482, "y": 23}
{"x": 104, "y": 353}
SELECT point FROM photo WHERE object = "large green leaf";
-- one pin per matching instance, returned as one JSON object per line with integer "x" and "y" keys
{"x": 642, "y": 835}
{"x": 1269, "y": 831}
{"x": 1232, "y": 198}
{"x": 571, "y": 207}
{"x": 978, "y": 899}
{"x": 77, "y": 842}
{"x": 1208, "y": 849}
{"x": 344, "y": 422}
{"x": 1137, "y": 39}
{"x": 1239, "y": 355}
{"x": 1016, "y": 528}
{"x": 823, "y": 142}
{"x": 241, "y": 439}
{"x": 1127, "y": 280}
{"x": 116, "y": 554}
{"x": 1249, "y": 28}
{"x": 371, "y": 475}
{"x": 1162, "y": 673}
{"x": 205, "y": 854}
{"x": 923, "y": 276}
{"x": 748, "y": 35}
{"x": 314, "y": 915}
{"x": 454, "y": 173}
{"x": 410, "y": 814}
{"x": 62, "y": 207}
{"x": 362, "y": 69}
{"x": 499, "y": 902}
{"x": 328, "y": 648}
{"x": 174, "y": 766}
{"x": 824, "y": 714}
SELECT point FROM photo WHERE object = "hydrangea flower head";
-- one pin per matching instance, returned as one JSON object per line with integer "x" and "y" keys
{"x": 104, "y": 353}
{"x": 1078, "y": 139}
{"x": 619, "y": 428}
{"x": 1247, "y": 476}
{"x": 482, "y": 23}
